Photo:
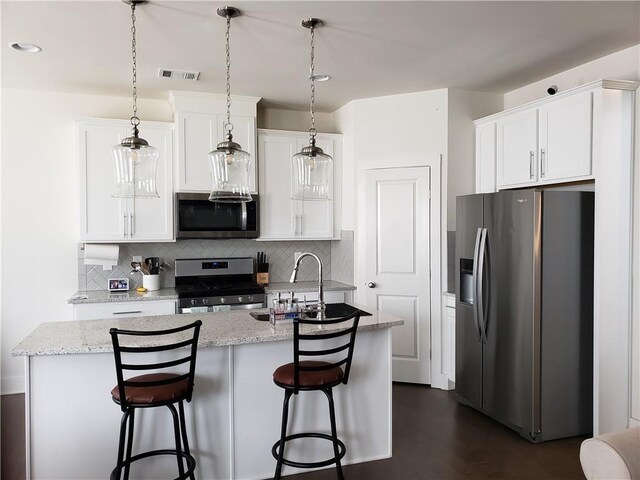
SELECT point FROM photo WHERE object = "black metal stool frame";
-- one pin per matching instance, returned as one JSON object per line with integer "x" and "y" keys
{"x": 339, "y": 447}
{"x": 181, "y": 452}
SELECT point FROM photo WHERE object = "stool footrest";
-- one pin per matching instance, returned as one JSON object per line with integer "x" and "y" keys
{"x": 341, "y": 447}
{"x": 191, "y": 462}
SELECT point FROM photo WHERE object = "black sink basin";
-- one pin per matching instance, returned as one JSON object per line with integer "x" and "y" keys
{"x": 337, "y": 310}
{"x": 333, "y": 310}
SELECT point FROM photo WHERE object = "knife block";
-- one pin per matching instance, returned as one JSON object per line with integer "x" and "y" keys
{"x": 262, "y": 276}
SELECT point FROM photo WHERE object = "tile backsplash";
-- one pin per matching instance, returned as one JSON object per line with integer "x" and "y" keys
{"x": 280, "y": 256}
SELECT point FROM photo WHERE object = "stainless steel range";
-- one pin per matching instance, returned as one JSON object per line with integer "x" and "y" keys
{"x": 217, "y": 284}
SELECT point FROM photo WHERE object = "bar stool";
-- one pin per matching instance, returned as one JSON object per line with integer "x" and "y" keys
{"x": 323, "y": 373}
{"x": 156, "y": 389}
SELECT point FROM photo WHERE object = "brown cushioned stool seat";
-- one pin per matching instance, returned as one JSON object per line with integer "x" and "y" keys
{"x": 284, "y": 375}
{"x": 159, "y": 388}
{"x": 146, "y": 395}
{"x": 329, "y": 367}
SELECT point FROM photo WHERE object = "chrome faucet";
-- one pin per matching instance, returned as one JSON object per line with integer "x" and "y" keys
{"x": 294, "y": 274}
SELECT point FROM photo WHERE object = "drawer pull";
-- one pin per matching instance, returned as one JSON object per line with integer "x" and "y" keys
{"x": 127, "y": 313}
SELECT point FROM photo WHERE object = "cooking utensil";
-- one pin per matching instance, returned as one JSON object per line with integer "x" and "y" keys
{"x": 144, "y": 269}
{"x": 153, "y": 265}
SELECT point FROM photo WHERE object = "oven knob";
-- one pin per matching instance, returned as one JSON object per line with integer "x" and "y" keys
{"x": 251, "y": 298}
{"x": 194, "y": 302}
{"x": 240, "y": 299}
{"x": 221, "y": 299}
{"x": 205, "y": 301}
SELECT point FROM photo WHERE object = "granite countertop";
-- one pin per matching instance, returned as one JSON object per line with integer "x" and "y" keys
{"x": 308, "y": 286}
{"x": 104, "y": 296}
{"x": 218, "y": 329}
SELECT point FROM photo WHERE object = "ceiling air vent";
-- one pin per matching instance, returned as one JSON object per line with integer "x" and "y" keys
{"x": 180, "y": 74}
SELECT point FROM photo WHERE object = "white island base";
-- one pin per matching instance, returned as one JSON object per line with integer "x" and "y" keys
{"x": 233, "y": 420}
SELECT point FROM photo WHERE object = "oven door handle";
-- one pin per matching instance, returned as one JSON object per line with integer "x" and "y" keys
{"x": 244, "y": 306}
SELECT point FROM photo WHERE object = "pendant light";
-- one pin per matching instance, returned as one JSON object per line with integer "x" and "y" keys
{"x": 135, "y": 160}
{"x": 311, "y": 167}
{"x": 229, "y": 163}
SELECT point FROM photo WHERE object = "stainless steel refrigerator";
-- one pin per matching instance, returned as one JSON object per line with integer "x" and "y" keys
{"x": 524, "y": 309}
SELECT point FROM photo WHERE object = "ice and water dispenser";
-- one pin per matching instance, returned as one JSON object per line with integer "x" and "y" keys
{"x": 466, "y": 281}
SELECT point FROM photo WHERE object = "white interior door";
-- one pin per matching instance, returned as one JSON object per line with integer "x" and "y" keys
{"x": 397, "y": 258}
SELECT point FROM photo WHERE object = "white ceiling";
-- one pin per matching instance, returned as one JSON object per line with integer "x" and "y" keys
{"x": 369, "y": 48}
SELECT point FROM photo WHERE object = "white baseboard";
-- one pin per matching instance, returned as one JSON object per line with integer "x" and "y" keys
{"x": 11, "y": 385}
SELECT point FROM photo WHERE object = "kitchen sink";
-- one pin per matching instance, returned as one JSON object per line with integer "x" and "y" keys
{"x": 337, "y": 310}
{"x": 333, "y": 310}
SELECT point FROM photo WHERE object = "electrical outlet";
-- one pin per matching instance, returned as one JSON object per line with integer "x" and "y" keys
{"x": 296, "y": 255}
{"x": 137, "y": 258}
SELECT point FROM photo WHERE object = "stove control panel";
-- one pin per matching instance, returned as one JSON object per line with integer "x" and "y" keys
{"x": 256, "y": 300}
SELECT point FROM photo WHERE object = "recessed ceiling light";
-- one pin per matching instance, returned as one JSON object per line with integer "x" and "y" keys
{"x": 26, "y": 47}
{"x": 319, "y": 77}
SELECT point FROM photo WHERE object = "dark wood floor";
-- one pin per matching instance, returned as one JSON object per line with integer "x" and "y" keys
{"x": 433, "y": 438}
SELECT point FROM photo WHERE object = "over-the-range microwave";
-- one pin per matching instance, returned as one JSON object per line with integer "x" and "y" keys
{"x": 197, "y": 217}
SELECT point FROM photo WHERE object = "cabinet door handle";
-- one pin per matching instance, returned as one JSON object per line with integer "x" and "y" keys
{"x": 124, "y": 225}
{"x": 127, "y": 313}
{"x": 531, "y": 164}
{"x": 131, "y": 225}
{"x": 298, "y": 227}
{"x": 542, "y": 160}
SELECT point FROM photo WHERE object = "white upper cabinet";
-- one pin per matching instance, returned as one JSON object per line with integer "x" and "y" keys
{"x": 107, "y": 219}
{"x": 486, "y": 157}
{"x": 565, "y": 137}
{"x": 517, "y": 144}
{"x": 200, "y": 120}
{"x": 545, "y": 142}
{"x": 282, "y": 218}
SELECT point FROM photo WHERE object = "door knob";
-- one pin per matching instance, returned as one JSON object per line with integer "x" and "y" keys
{"x": 371, "y": 284}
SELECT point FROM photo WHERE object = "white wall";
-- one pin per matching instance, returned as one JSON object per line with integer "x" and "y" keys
{"x": 394, "y": 131}
{"x": 39, "y": 198}
{"x": 635, "y": 329}
{"x": 621, "y": 65}
{"x": 277, "y": 119}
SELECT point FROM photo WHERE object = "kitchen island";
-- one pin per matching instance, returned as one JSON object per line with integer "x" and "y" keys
{"x": 234, "y": 418}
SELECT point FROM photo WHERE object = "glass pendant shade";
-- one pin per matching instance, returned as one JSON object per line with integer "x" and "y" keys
{"x": 312, "y": 172}
{"x": 135, "y": 171}
{"x": 230, "y": 174}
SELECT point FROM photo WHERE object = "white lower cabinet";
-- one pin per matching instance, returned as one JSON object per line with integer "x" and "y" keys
{"x": 449, "y": 338}
{"x": 281, "y": 217}
{"x": 107, "y": 219}
{"x": 94, "y": 311}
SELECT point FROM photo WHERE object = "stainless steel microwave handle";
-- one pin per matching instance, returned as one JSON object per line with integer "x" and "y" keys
{"x": 243, "y": 213}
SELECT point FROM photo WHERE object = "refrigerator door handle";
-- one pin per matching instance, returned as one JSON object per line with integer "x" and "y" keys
{"x": 476, "y": 255}
{"x": 480, "y": 286}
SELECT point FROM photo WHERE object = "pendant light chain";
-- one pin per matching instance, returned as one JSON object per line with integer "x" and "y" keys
{"x": 228, "y": 126}
{"x": 135, "y": 121}
{"x": 312, "y": 131}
